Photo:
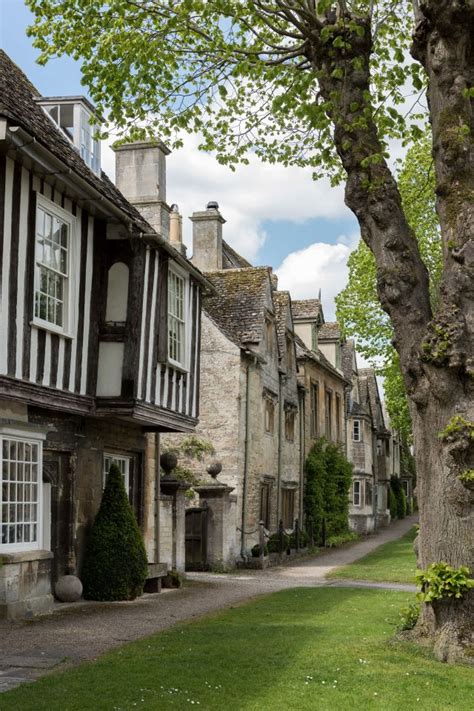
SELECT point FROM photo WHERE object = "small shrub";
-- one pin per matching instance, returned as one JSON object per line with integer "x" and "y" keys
{"x": 303, "y": 542}
{"x": 467, "y": 476}
{"x": 173, "y": 579}
{"x": 409, "y": 617}
{"x": 401, "y": 504}
{"x": 335, "y": 541}
{"x": 115, "y": 563}
{"x": 256, "y": 550}
{"x": 274, "y": 543}
{"x": 400, "y": 498}
{"x": 392, "y": 504}
{"x": 440, "y": 581}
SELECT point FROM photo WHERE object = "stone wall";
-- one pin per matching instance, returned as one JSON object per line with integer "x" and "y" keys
{"x": 25, "y": 584}
{"x": 225, "y": 376}
{"x": 325, "y": 380}
{"x": 166, "y": 530}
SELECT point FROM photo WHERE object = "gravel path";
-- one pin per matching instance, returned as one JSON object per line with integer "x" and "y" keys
{"x": 83, "y": 631}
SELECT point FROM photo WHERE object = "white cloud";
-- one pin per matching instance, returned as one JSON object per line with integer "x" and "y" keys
{"x": 246, "y": 197}
{"x": 319, "y": 266}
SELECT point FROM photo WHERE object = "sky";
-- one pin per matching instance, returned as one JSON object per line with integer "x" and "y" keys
{"x": 274, "y": 215}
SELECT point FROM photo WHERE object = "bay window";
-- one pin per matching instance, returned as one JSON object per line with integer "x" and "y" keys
{"x": 20, "y": 493}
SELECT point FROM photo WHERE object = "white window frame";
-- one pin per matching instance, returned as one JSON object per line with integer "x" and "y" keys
{"x": 118, "y": 459}
{"x": 83, "y": 132}
{"x": 357, "y": 437}
{"x": 21, "y": 437}
{"x": 358, "y": 493}
{"x": 54, "y": 210}
{"x": 182, "y": 364}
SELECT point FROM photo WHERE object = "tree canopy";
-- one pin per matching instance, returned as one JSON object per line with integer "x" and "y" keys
{"x": 237, "y": 73}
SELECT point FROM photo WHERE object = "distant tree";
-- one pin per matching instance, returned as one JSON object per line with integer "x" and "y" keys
{"x": 115, "y": 563}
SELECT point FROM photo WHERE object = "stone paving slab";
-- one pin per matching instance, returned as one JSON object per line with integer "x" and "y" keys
{"x": 347, "y": 583}
{"x": 36, "y": 662}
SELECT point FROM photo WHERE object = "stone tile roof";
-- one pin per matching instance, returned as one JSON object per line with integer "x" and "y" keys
{"x": 356, "y": 409}
{"x": 306, "y": 308}
{"x": 238, "y": 303}
{"x": 347, "y": 358}
{"x": 17, "y": 103}
{"x": 232, "y": 259}
{"x": 281, "y": 303}
{"x": 367, "y": 376}
{"x": 329, "y": 331}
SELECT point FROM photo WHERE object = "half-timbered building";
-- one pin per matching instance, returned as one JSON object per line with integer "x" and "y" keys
{"x": 99, "y": 334}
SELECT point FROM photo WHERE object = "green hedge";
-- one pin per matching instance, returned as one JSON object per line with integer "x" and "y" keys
{"x": 115, "y": 564}
{"x": 328, "y": 479}
{"x": 400, "y": 508}
{"x": 392, "y": 504}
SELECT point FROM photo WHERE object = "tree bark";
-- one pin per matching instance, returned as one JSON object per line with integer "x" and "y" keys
{"x": 436, "y": 352}
{"x": 444, "y": 44}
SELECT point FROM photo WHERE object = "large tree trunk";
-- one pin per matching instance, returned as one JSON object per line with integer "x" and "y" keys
{"x": 436, "y": 352}
{"x": 446, "y": 523}
{"x": 444, "y": 44}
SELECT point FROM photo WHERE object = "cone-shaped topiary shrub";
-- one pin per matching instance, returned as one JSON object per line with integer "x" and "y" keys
{"x": 115, "y": 563}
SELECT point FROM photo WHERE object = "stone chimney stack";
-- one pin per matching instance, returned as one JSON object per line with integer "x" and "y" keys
{"x": 207, "y": 238}
{"x": 140, "y": 175}
{"x": 176, "y": 229}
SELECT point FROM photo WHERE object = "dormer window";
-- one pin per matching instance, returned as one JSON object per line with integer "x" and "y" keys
{"x": 75, "y": 118}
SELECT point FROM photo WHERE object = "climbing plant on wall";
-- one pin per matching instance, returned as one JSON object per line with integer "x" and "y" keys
{"x": 328, "y": 478}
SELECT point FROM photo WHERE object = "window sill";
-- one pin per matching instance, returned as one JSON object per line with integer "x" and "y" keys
{"x": 45, "y": 326}
{"x": 11, "y": 557}
{"x": 177, "y": 366}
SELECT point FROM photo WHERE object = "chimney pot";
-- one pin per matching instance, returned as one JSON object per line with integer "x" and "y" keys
{"x": 176, "y": 228}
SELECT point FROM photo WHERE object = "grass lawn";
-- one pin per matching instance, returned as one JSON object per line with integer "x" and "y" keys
{"x": 320, "y": 648}
{"x": 392, "y": 562}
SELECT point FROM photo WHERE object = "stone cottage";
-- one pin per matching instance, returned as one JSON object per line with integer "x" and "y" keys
{"x": 249, "y": 391}
{"x": 381, "y": 443}
{"x": 360, "y": 447}
{"x": 323, "y": 386}
{"x": 99, "y": 336}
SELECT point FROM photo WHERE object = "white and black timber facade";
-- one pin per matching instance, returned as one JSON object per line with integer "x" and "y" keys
{"x": 99, "y": 344}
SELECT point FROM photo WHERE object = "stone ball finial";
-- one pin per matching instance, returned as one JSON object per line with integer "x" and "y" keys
{"x": 68, "y": 588}
{"x": 212, "y": 205}
{"x": 168, "y": 461}
{"x": 214, "y": 469}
